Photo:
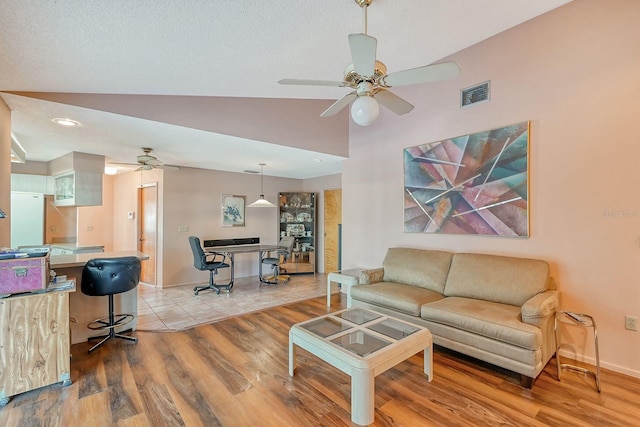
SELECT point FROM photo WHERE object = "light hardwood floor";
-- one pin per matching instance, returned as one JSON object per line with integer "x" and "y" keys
{"x": 234, "y": 373}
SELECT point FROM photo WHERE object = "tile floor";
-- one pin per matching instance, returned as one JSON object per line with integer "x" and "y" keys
{"x": 176, "y": 308}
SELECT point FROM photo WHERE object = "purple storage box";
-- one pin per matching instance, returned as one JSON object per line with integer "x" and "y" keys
{"x": 23, "y": 275}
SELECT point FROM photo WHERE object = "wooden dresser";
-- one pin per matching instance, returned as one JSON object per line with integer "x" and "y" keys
{"x": 34, "y": 342}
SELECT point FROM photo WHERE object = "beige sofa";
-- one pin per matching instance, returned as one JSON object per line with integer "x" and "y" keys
{"x": 494, "y": 308}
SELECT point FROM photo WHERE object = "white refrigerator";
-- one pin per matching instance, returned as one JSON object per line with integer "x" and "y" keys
{"x": 27, "y": 219}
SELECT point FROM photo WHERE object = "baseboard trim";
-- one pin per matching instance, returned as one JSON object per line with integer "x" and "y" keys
{"x": 603, "y": 363}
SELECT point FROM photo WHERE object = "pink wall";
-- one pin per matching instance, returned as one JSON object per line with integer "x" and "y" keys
{"x": 60, "y": 222}
{"x": 5, "y": 173}
{"x": 574, "y": 74}
{"x": 193, "y": 199}
{"x": 95, "y": 223}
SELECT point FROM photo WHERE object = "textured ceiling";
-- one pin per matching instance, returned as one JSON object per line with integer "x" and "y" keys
{"x": 212, "y": 48}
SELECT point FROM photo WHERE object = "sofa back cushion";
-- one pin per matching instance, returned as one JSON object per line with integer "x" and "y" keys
{"x": 417, "y": 267}
{"x": 496, "y": 278}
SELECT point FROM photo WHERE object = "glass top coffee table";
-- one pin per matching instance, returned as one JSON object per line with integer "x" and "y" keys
{"x": 362, "y": 344}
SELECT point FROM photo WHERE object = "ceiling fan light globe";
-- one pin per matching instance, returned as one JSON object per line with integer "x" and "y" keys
{"x": 365, "y": 110}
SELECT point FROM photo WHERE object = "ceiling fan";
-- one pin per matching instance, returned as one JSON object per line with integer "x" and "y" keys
{"x": 147, "y": 162}
{"x": 370, "y": 81}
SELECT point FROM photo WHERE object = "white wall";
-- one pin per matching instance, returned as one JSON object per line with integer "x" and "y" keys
{"x": 574, "y": 74}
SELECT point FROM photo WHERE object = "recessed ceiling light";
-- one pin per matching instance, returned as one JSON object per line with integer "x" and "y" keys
{"x": 317, "y": 160}
{"x": 65, "y": 122}
{"x": 110, "y": 170}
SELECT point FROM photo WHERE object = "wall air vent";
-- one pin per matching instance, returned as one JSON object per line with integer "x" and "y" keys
{"x": 474, "y": 94}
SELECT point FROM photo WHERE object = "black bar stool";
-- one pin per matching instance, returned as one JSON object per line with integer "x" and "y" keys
{"x": 110, "y": 276}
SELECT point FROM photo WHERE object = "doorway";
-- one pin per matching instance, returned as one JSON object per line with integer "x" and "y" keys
{"x": 332, "y": 230}
{"x": 148, "y": 231}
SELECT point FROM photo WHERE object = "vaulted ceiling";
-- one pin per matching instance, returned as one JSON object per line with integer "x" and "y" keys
{"x": 197, "y": 79}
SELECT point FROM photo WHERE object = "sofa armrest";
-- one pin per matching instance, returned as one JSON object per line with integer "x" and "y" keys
{"x": 373, "y": 275}
{"x": 539, "y": 306}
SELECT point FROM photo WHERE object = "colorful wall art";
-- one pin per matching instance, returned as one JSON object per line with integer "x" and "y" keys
{"x": 472, "y": 184}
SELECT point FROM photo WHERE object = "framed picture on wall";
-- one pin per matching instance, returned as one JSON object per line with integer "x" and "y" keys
{"x": 471, "y": 184}
{"x": 233, "y": 210}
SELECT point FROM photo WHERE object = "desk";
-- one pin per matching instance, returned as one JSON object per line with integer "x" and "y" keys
{"x": 232, "y": 250}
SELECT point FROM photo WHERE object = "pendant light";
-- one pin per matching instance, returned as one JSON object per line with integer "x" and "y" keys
{"x": 261, "y": 202}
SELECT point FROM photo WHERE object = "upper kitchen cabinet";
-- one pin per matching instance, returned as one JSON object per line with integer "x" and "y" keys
{"x": 32, "y": 183}
{"x": 77, "y": 179}
{"x": 78, "y": 189}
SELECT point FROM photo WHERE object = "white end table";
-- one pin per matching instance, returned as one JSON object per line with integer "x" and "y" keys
{"x": 345, "y": 279}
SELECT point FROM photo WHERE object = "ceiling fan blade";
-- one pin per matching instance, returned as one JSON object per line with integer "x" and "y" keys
{"x": 312, "y": 82}
{"x": 123, "y": 164}
{"x": 339, "y": 105}
{"x": 393, "y": 102}
{"x": 169, "y": 167}
{"x": 428, "y": 73}
{"x": 363, "y": 53}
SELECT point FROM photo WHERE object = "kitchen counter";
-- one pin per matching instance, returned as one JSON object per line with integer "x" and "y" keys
{"x": 80, "y": 259}
{"x": 83, "y": 308}
{"x": 58, "y": 249}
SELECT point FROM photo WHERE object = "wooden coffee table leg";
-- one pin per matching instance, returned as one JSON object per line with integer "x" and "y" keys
{"x": 292, "y": 355}
{"x": 428, "y": 362}
{"x": 362, "y": 396}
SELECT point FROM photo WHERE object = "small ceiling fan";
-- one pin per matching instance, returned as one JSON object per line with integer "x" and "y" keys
{"x": 370, "y": 81}
{"x": 147, "y": 162}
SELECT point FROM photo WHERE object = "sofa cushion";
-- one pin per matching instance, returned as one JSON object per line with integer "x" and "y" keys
{"x": 496, "y": 278}
{"x": 403, "y": 298}
{"x": 497, "y": 321}
{"x": 418, "y": 267}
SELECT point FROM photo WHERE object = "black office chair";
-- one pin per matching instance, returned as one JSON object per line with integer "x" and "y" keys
{"x": 110, "y": 276}
{"x": 201, "y": 263}
{"x": 286, "y": 244}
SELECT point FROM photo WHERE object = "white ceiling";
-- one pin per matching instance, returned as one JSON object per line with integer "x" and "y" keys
{"x": 215, "y": 48}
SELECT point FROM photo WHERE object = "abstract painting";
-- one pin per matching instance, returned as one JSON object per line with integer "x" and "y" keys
{"x": 472, "y": 184}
